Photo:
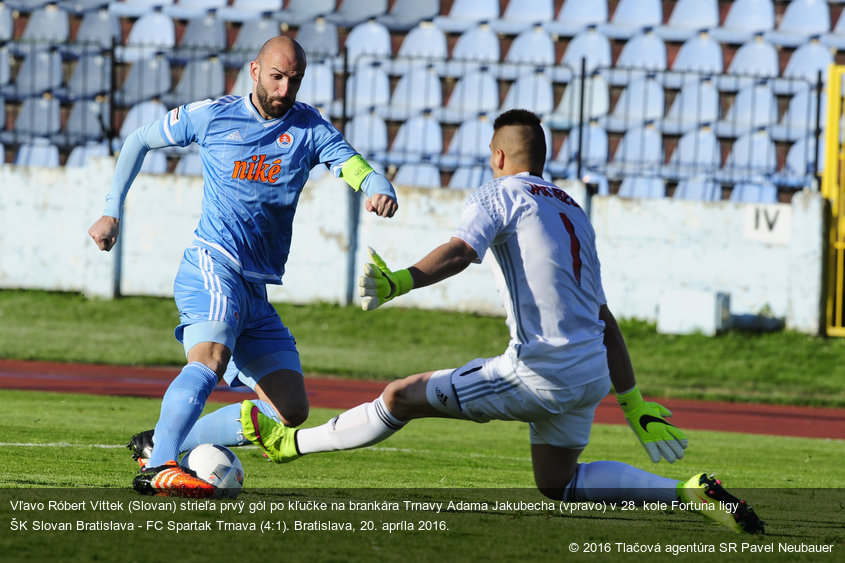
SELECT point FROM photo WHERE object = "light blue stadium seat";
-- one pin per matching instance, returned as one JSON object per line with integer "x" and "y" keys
{"x": 88, "y": 120}
{"x": 835, "y": 38}
{"x": 420, "y": 174}
{"x": 317, "y": 88}
{"x": 568, "y": 111}
{"x": 632, "y": 17}
{"x": 591, "y": 46}
{"x": 466, "y": 14}
{"x": 803, "y": 68}
{"x": 696, "y": 104}
{"x": 752, "y": 157}
{"x": 802, "y": 158}
{"x": 5, "y": 66}
{"x": 475, "y": 48}
{"x": 642, "y": 100}
{"x": 576, "y": 16}
{"x": 136, "y": 8}
{"x": 531, "y": 48}
{"x": 425, "y": 45}
{"x": 523, "y": 15}
{"x": 192, "y": 9}
{"x": 80, "y": 154}
{"x": 319, "y": 38}
{"x": 38, "y": 152}
{"x": 753, "y": 108}
{"x": 152, "y": 33}
{"x": 368, "y": 87}
{"x": 154, "y": 163}
{"x": 353, "y": 12}
{"x": 27, "y": 6}
{"x": 147, "y": 78}
{"x": 744, "y": 20}
{"x": 754, "y": 60}
{"x": 40, "y": 72}
{"x": 688, "y": 18}
{"x": 7, "y": 26}
{"x": 470, "y": 177}
{"x": 418, "y": 139}
{"x": 640, "y": 152}
{"x": 97, "y": 31}
{"x": 201, "y": 79}
{"x": 368, "y": 41}
{"x": 190, "y": 164}
{"x": 91, "y": 77}
{"x": 532, "y": 90}
{"x": 405, "y": 15}
{"x": 2, "y": 154}
{"x": 417, "y": 91}
{"x": 698, "y": 189}
{"x": 642, "y": 187}
{"x": 698, "y": 154}
{"x": 594, "y": 149}
{"x": 140, "y": 114}
{"x": 298, "y": 12}
{"x": 46, "y": 27}
{"x": 475, "y": 93}
{"x": 470, "y": 145}
{"x": 251, "y": 36}
{"x": 367, "y": 132}
{"x": 81, "y": 7}
{"x": 243, "y": 82}
{"x": 754, "y": 192}
{"x": 800, "y": 116}
{"x": 642, "y": 53}
{"x": 801, "y": 20}
{"x": 246, "y": 10}
{"x": 203, "y": 36}
{"x": 38, "y": 117}
{"x": 699, "y": 55}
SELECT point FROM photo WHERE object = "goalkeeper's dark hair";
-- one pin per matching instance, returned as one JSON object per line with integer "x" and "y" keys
{"x": 533, "y": 136}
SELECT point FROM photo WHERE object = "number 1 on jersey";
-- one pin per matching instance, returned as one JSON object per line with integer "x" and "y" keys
{"x": 574, "y": 247}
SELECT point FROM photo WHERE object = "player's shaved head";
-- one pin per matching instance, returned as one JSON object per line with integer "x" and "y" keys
{"x": 281, "y": 46}
{"x": 517, "y": 133}
{"x": 277, "y": 72}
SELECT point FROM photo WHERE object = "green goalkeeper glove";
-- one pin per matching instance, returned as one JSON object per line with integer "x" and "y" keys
{"x": 379, "y": 285}
{"x": 647, "y": 420}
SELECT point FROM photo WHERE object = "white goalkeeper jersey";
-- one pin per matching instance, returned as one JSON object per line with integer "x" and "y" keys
{"x": 548, "y": 275}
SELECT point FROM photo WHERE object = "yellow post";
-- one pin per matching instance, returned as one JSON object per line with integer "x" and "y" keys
{"x": 833, "y": 189}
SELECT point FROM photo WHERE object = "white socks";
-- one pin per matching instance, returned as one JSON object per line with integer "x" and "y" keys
{"x": 617, "y": 481}
{"x": 358, "y": 427}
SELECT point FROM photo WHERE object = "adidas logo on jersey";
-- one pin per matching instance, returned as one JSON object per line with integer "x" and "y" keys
{"x": 257, "y": 170}
{"x": 234, "y": 136}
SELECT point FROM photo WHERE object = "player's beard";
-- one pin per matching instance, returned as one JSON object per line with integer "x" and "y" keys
{"x": 267, "y": 105}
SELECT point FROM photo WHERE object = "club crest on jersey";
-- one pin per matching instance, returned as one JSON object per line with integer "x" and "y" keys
{"x": 285, "y": 140}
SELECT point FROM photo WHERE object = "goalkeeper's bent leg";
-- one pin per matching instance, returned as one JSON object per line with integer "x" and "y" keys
{"x": 614, "y": 481}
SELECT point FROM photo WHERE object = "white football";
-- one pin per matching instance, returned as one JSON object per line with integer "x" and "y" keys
{"x": 217, "y": 465}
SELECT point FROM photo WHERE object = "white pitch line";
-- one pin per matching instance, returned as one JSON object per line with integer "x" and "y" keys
{"x": 57, "y": 445}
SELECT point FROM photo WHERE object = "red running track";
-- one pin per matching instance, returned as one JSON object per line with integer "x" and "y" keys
{"x": 342, "y": 393}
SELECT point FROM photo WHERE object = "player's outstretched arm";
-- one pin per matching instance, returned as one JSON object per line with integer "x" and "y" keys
{"x": 647, "y": 419}
{"x": 104, "y": 232}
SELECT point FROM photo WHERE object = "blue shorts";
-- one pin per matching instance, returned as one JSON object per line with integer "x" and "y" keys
{"x": 216, "y": 304}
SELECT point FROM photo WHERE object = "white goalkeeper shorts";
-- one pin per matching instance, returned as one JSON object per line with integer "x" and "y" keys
{"x": 490, "y": 389}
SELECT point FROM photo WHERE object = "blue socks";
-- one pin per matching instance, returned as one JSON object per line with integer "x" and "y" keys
{"x": 223, "y": 427}
{"x": 616, "y": 481}
{"x": 180, "y": 408}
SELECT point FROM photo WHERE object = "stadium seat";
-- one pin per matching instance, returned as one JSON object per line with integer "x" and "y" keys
{"x": 7, "y": 27}
{"x": 243, "y": 82}
{"x": 475, "y": 48}
{"x": 754, "y": 192}
{"x": 420, "y": 174}
{"x": 367, "y": 88}
{"x": 696, "y": 104}
{"x": 88, "y": 120}
{"x": 752, "y": 157}
{"x": 698, "y": 154}
{"x": 136, "y": 8}
{"x": 801, "y": 20}
{"x": 699, "y": 55}
{"x": 299, "y": 12}
{"x": 2, "y": 154}
{"x": 800, "y": 116}
{"x": 317, "y": 88}
{"x": 189, "y": 164}
{"x": 418, "y": 139}
{"x": 594, "y": 149}
{"x": 193, "y": 9}
{"x": 46, "y": 27}
{"x": 753, "y": 60}
{"x": 531, "y": 48}
{"x": 532, "y": 90}
{"x": 641, "y": 53}
{"x": 523, "y": 15}
{"x": 417, "y": 91}
{"x": 631, "y": 17}
{"x": 38, "y": 152}
{"x": 835, "y": 38}
{"x": 474, "y": 94}
{"x": 27, "y": 6}
{"x": 154, "y": 163}
{"x": 755, "y": 107}
{"x": 367, "y": 132}
{"x": 805, "y": 65}
{"x": 592, "y": 47}
{"x": 424, "y": 45}
{"x": 637, "y": 187}
{"x": 203, "y": 36}
{"x": 319, "y": 38}
{"x": 98, "y": 30}
{"x": 353, "y": 12}
{"x": 5, "y": 66}
{"x": 688, "y": 19}
{"x": 470, "y": 177}
{"x": 576, "y": 16}
{"x": 38, "y": 117}
{"x": 152, "y": 33}
{"x": 470, "y": 145}
{"x": 368, "y": 41}
{"x": 639, "y": 152}
{"x": 405, "y": 15}
{"x": 147, "y": 78}
{"x": 246, "y": 10}
{"x": 568, "y": 111}
{"x": 466, "y": 14}
{"x": 251, "y": 36}
{"x": 91, "y": 77}
{"x": 200, "y": 79}
{"x": 641, "y": 101}
{"x": 801, "y": 161}
{"x": 80, "y": 154}
{"x": 39, "y": 72}
{"x": 81, "y": 7}
{"x": 698, "y": 189}
{"x": 138, "y": 115}
{"x": 745, "y": 19}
